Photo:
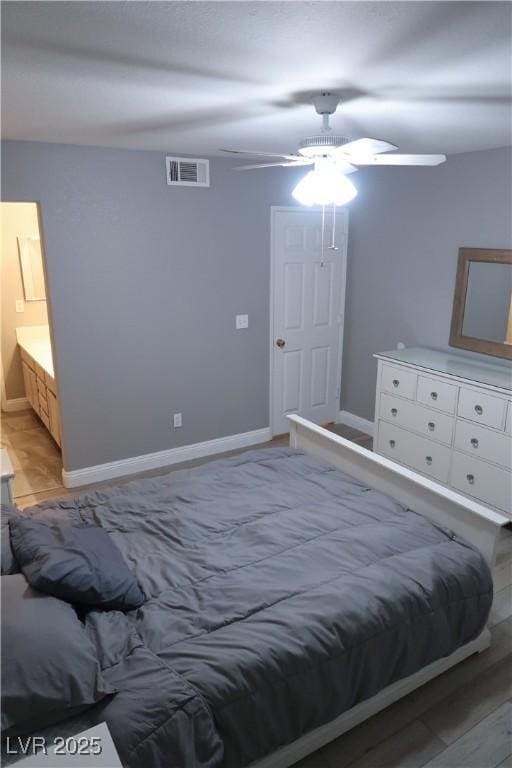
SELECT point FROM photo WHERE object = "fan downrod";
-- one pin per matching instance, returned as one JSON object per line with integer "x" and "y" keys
{"x": 325, "y": 104}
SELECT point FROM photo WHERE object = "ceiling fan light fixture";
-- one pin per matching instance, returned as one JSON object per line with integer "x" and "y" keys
{"x": 326, "y": 185}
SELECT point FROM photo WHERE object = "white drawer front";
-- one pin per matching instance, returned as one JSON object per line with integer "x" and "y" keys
{"x": 485, "y": 482}
{"x": 399, "y": 381}
{"x": 437, "y": 394}
{"x": 508, "y": 420}
{"x": 484, "y": 443}
{"x": 482, "y": 408}
{"x": 433, "y": 424}
{"x": 416, "y": 452}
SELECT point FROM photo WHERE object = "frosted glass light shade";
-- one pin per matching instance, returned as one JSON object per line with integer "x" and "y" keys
{"x": 324, "y": 186}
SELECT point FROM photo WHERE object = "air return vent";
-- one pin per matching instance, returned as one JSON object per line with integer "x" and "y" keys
{"x": 187, "y": 172}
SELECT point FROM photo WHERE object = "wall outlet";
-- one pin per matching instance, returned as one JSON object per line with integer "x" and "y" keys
{"x": 241, "y": 321}
{"x": 177, "y": 420}
{"x": 20, "y": 305}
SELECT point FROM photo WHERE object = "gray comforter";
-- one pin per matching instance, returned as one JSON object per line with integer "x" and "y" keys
{"x": 280, "y": 592}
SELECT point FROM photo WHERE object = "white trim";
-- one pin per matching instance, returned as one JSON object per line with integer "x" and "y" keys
{"x": 357, "y": 422}
{"x": 339, "y": 363}
{"x": 317, "y": 738}
{"x": 15, "y": 404}
{"x": 135, "y": 464}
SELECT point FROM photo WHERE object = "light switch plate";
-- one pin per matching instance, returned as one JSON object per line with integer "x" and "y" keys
{"x": 242, "y": 321}
{"x": 177, "y": 420}
{"x": 20, "y": 305}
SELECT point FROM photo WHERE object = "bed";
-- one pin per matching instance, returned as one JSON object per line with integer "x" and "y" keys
{"x": 291, "y": 593}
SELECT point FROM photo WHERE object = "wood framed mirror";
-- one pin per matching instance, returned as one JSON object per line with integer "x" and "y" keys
{"x": 482, "y": 302}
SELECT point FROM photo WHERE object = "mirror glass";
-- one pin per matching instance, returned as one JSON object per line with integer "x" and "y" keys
{"x": 31, "y": 262}
{"x": 487, "y": 309}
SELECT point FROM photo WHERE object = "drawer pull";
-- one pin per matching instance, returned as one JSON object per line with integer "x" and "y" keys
{"x": 470, "y": 479}
{"x": 433, "y": 395}
{"x": 479, "y": 409}
{"x": 392, "y": 443}
{"x": 428, "y": 459}
{"x": 394, "y": 411}
{"x": 474, "y": 442}
{"x": 396, "y": 382}
{"x": 431, "y": 426}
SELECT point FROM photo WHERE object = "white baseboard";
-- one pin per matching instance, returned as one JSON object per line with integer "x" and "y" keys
{"x": 357, "y": 422}
{"x": 166, "y": 458}
{"x": 15, "y": 404}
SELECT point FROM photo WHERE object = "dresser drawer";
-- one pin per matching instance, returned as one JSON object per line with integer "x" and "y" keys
{"x": 485, "y": 482}
{"x": 43, "y": 402}
{"x": 26, "y": 358}
{"x": 416, "y": 452}
{"x": 437, "y": 394}
{"x": 433, "y": 424}
{"x": 508, "y": 420}
{"x": 484, "y": 443}
{"x": 39, "y": 370}
{"x": 482, "y": 408}
{"x": 50, "y": 383}
{"x": 44, "y": 418}
{"x": 399, "y": 381}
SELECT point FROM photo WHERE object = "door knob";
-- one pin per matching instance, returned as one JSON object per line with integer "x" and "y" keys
{"x": 280, "y": 343}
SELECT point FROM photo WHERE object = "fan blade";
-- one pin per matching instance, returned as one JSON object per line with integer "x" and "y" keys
{"x": 252, "y": 153}
{"x": 344, "y": 166}
{"x": 362, "y": 147}
{"x": 274, "y": 165}
{"x": 401, "y": 160}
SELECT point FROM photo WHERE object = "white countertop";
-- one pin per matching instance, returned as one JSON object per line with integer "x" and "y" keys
{"x": 35, "y": 340}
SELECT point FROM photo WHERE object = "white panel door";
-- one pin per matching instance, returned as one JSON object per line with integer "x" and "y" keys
{"x": 307, "y": 309}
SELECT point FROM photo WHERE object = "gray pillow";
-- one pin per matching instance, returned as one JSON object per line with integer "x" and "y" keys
{"x": 8, "y": 563}
{"x": 49, "y": 664}
{"x": 78, "y": 563}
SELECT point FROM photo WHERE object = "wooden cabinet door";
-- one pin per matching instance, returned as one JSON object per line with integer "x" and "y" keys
{"x": 30, "y": 381}
{"x": 33, "y": 390}
{"x": 53, "y": 411}
{"x": 26, "y": 381}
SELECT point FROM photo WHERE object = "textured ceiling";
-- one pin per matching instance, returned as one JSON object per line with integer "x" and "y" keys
{"x": 196, "y": 76}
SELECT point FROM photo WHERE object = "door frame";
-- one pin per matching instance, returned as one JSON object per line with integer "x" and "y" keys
{"x": 274, "y": 209}
{"x": 12, "y": 405}
{"x": 4, "y": 403}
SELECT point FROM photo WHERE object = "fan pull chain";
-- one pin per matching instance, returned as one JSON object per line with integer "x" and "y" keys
{"x": 333, "y": 246}
{"x": 323, "y": 236}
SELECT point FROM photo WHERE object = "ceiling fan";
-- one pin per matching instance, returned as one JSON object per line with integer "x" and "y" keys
{"x": 333, "y": 157}
{"x": 345, "y": 154}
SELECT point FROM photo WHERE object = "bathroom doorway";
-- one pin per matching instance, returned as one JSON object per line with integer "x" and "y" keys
{"x": 30, "y": 417}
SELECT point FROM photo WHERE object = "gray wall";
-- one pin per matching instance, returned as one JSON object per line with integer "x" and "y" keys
{"x": 406, "y": 226}
{"x": 144, "y": 282}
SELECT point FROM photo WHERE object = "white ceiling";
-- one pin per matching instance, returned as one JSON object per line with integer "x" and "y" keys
{"x": 196, "y": 76}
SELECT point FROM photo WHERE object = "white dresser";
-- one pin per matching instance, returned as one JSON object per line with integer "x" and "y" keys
{"x": 450, "y": 418}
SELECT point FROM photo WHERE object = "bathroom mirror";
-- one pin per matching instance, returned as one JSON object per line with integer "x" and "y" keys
{"x": 482, "y": 303}
{"x": 31, "y": 264}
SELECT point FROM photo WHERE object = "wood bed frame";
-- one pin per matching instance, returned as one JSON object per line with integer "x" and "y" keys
{"x": 475, "y": 523}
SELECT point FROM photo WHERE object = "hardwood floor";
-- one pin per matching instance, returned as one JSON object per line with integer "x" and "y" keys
{"x": 35, "y": 457}
{"x": 462, "y": 719}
